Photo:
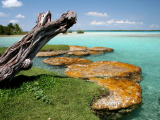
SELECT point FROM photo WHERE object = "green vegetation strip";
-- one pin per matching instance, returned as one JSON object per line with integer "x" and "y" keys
{"x": 2, "y": 50}
{"x": 39, "y": 94}
{"x": 54, "y": 47}
{"x": 44, "y": 48}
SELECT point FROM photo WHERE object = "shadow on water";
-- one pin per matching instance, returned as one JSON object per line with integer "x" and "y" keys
{"x": 135, "y": 113}
{"x": 126, "y": 116}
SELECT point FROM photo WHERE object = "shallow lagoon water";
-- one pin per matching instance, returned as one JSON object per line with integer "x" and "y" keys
{"x": 138, "y": 48}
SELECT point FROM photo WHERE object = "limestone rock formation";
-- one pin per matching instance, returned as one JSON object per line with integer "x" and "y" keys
{"x": 77, "y": 48}
{"x": 66, "y": 61}
{"x": 94, "y": 52}
{"x": 83, "y": 53}
{"x": 124, "y": 97}
{"x": 51, "y": 53}
{"x": 78, "y": 53}
{"x": 100, "y": 49}
{"x": 105, "y": 69}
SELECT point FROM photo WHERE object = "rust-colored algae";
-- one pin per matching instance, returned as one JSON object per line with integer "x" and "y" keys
{"x": 104, "y": 69}
{"x": 51, "y": 53}
{"x": 77, "y": 48}
{"x": 78, "y": 53}
{"x": 66, "y": 61}
{"x": 95, "y": 52}
{"x": 123, "y": 93}
{"x": 83, "y": 53}
{"x": 102, "y": 49}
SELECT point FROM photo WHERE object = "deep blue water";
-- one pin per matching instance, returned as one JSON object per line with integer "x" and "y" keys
{"x": 138, "y": 48}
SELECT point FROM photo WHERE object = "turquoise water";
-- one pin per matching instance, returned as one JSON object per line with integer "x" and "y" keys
{"x": 138, "y": 48}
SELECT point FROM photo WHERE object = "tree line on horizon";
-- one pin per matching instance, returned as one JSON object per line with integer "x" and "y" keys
{"x": 10, "y": 29}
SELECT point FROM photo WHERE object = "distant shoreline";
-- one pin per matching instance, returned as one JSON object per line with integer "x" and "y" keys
{"x": 118, "y": 30}
{"x": 92, "y": 31}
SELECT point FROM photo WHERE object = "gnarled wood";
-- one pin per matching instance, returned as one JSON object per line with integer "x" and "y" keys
{"x": 19, "y": 56}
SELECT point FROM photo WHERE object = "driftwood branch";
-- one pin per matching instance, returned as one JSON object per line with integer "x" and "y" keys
{"x": 19, "y": 56}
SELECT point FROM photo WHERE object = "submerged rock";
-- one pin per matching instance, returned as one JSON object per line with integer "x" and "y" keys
{"x": 100, "y": 49}
{"x": 105, "y": 69}
{"x": 124, "y": 97}
{"x": 66, "y": 61}
{"x": 51, "y": 53}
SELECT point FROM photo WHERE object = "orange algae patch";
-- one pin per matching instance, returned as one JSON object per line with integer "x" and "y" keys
{"x": 100, "y": 49}
{"x": 77, "y": 48}
{"x": 43, "y": 54}
{"x": 94, "y": 52}
{"x": 103, "y": 69}
{"x": 83, "y": 53}
{"x": 66, "y": 61}
{"x": 78, "y": 53}
{"x": 52, "y": 53}
{"x": 123, "y": 94}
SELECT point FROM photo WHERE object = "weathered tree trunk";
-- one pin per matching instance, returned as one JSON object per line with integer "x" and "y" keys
{"x": 19, "y": 56}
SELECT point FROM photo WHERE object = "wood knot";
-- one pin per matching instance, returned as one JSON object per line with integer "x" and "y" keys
{"x": 27, "y": 64}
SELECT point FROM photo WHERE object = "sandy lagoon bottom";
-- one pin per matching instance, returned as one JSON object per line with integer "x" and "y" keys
{"x": 137, "y": 48}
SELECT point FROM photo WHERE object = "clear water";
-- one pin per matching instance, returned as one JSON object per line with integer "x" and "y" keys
{"x": 138, "y": 48}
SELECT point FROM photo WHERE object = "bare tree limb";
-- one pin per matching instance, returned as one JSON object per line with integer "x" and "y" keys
{"x": 19, "y": 56}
